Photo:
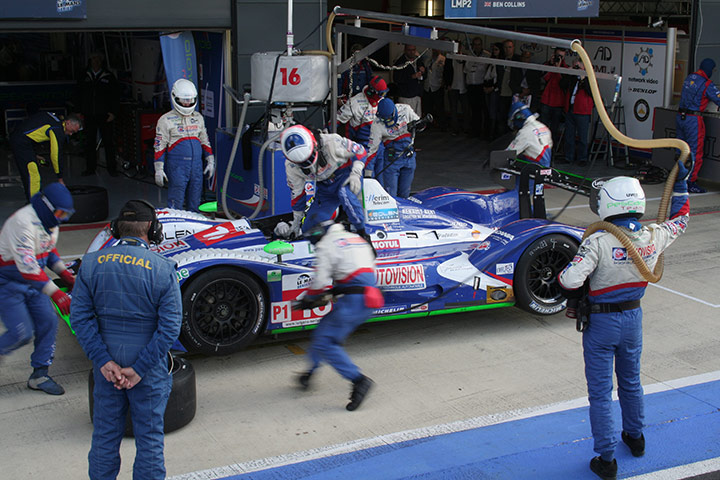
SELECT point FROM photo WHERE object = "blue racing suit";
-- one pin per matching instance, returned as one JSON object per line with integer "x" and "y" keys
{"x": 697, "y": 91}
{"x": 345, "y": 260}
{"x": 337, "y": 158}
{"x": 399, "y": 156}
{"x": 615, "y": 328}
{"x": 180, "y": 142}
{"x": 26, "y": 248}
{"x": 127, "y": 309}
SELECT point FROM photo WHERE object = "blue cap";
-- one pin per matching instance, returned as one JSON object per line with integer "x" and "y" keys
{"x": 707, "y": 66}
{"x": 387, "y": 111}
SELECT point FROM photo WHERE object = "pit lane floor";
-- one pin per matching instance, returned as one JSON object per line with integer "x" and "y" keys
{"x": 487, "y": 367}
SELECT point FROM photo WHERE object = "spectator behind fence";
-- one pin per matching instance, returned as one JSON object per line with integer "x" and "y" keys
{"x": 434, "y": 98}
{"x": 552, "y": 102}
{"x": 509, "y": 80}
{"x": 492, "y": 94}
{"x": 578, "y": 112}
{"x": 409, "y": 80}
{"x": 475, "y": 78}
{"x": 530, "y": 83}
{"x": 457, "y": 95}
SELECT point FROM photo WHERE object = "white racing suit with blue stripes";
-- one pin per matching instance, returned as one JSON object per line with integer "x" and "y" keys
{"x": 615, "y": 328}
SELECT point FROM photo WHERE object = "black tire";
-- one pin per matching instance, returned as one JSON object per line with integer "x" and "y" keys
{"x": 535, "y": 282}
{"x": 224, "y": 310}
{"x": 182, "y": 402}
{"x": 91, "y": 203}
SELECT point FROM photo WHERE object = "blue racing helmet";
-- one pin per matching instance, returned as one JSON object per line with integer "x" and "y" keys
{"x": 387, "y": 112}
{"x": 53, "y": 205}
{"x": 519, "y": 112}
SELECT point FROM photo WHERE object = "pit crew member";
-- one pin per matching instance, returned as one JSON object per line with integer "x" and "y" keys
{"x": 533, "y": 140}
{"x": 360, "y": 110}
{"x": 181, "y": 140}
{"x": 27, "y": 246}
{"x": 614, "y": 332}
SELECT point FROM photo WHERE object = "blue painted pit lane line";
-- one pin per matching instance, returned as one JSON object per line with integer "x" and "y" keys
{"x": 682, "y": 435}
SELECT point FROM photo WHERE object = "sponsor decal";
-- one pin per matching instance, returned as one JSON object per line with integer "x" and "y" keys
{"x": 483, "y": 246}
{"x": 217, "y": 233}
{"x": 584, "y": 5}
{"x": 176, "y": 246}
{"x": 170, "y": 234}
{"x": 403, "y": 277}
{"x": 647, "y": 251}
{"x": 504, "y": 268}
{"x": 619, "y": 254}
{"x": 282, "y": 312}
{"x": 505, "y": 176}
{"x": 505, "y": 237}
{"x": 381, "y": 199}
{"x": 386, "y": 244}
{"x": 382, "y": 215}
{"x": 577, "y": 259}
{"x": 643, "y": 60}
{"x": 423, "y": 307}
{"x": 274, "y": 275}
{"x": 181, "y": 274}
{"x": 256, "y": 191}
{"x": 303, "y": 280}
{"x": 389, "y": 310}
{"x": 476, "y": 234}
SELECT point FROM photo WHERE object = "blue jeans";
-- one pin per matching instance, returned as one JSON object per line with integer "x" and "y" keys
{"x": 26, "y": 311}
{"x": 580, "y": 125}
{"x": 147, "y": 401}
{"x": 348, "y": 313}
{"x": 618, "y": 337}
{"x": 399, "y": 176}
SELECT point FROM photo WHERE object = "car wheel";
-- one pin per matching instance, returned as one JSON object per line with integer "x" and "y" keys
{"x": 223, "y": 311}
{"x": 90, "y": 202}
{"x": 182, "y": 402}
{"x": 535, "y": 283}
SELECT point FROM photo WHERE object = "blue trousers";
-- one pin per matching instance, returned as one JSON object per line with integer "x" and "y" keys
{"x": 618, "y": 337}
{"x": 147, "y": 401}
{"x": 580, "y": 125}
{"x": 185, "y": 182}
{"x": 399, "y": 176}
{"x": 26, "y": 311}
{"x": 692, "y": 130}
{"x": 329, "y": 195}
{"x": 348, "y": 313}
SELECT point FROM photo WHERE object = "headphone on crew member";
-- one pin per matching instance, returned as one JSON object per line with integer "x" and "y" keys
{"x": 155, "y": 232}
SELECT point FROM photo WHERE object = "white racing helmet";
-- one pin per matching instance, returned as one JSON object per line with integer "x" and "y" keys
{"x": 621, "y": 197}
{"x": 184, "y": 96}
{"x": 299, "y": 146}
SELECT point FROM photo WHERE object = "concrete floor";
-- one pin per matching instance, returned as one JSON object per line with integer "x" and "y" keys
{"x": 428, "y": 371}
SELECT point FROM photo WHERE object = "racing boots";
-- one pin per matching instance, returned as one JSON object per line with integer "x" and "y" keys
{"x": 693, "y": 187}
{"x": 636, "y": 445}
{"x": 603, "y": 469}
{"x": 40, "y": 380}
{"x": 304, "y": 379}
{"x": 361, "y": 387}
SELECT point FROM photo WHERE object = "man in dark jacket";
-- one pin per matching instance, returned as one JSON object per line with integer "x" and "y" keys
{"x": 509, "y": 82}
{"x": 99, "y": 100}
{"x": 409, "y": 80}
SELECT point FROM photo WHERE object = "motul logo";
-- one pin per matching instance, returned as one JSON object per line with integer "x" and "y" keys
{"x": 386, "y": 244}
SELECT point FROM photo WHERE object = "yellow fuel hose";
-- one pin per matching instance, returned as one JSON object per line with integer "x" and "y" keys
{"x": 650, "y": 276}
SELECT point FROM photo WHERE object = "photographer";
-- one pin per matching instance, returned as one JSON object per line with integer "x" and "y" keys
{"x": 552, "y": 101}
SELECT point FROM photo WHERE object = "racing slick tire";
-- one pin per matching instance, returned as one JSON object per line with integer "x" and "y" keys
{"x": 182, "y": 402}
{"x": 224, "y": 310}
{"x": 535, "y": 282}
{"x": 90, "y": 202}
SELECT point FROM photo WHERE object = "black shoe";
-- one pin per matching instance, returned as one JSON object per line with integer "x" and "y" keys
{"x": 360, "y": 389}
{"x": 603, "y": 469}
{"x": 87, "y": 173}
{"x": 636, "y": 445}
{"x": 304, "y": 380}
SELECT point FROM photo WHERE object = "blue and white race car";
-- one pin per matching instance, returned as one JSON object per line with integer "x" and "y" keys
{"x": 442, "y": 250}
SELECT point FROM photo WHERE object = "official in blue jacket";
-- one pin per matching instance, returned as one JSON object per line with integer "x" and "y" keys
{"x": 126, "y": 313}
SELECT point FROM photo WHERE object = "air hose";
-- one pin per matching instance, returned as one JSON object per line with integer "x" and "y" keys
{"x": 647, "y": 274}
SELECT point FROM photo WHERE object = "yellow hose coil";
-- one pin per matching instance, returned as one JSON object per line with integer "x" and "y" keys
{"x": 650, "y": 276}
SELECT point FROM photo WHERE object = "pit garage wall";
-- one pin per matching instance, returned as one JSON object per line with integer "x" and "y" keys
{"x": 708, "y": 38}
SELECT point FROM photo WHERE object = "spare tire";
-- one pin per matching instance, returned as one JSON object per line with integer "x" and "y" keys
{"x": 91, "y": 203}
{"x": 182, "y": 402}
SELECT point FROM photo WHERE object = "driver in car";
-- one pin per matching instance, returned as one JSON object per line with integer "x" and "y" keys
{"x": 336, "y": 165}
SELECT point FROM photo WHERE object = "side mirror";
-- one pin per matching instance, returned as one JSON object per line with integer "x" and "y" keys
{"x": 279, "y": 248}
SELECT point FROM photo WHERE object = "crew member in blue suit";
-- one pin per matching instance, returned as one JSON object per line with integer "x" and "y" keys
{"x": 181, "y": 141}
{"x": 614, "y": 332}
{"x": 344, "y": 267}
{"x": 127, "y": 314}
{"x": 27, "y": 246}
{"x": 697, "y": 91}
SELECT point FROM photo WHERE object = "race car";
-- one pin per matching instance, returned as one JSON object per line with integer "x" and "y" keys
{"x": 442, "y": 250}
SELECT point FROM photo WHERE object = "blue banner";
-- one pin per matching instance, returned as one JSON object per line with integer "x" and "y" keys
{"x": 45, "y": 9}
{"x": 178, "y": 51}
{"x": 521, "y": 9}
